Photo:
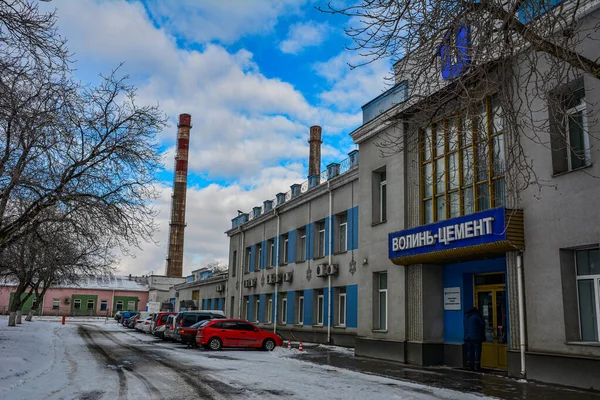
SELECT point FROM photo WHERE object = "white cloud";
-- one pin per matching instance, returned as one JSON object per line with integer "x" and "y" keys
{"x": 303, "y": 35}
{"x": 209, "y": 212}
{"x": 220, "y": 20}
{"x": 243, "y": 122}
{"x": 352, "y": 88}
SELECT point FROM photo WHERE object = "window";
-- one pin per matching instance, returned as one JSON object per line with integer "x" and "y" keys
{"x": 283, "y": 308}
{"x": 244, "y": 326}
{"x": 55, "y": 304}
{"x": 588, "y": 289}
{"x": 300, "y": 319}
{"x": 270, "y": 310}
{"x": 569, "y": 137}
{"x": 462, "y": 163}
{"x": 247, "y": 259}
{"x": 342, "y": 245}
{"x": 320, "y": 245}
{"x": 259, "y": 256}
{"x": 341, "y": 307}
{"x": 381, "y": 312}
{"x": 234, "y": 263}
{"x": 578, "y": 139}
{"x": 257, "y": 310}
{"x": 77, "y": 304}
{"x": 90, "y": 304}
{"x": 284, "y": 250}
{"x": 103, "y": 305}
{"x": 301, "y": 233}
{"x": 119, "y": 305}
{"x": 271, "y": 256}
{"x": 131, "y": 305}
{"x": 320, "y": 307}
{"x": 379, "y": 190}
{"x": 246, "y": 308}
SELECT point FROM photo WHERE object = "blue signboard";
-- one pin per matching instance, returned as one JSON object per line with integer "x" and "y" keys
{"x": 469, "y": 230}
{"x": 455, "y": 52}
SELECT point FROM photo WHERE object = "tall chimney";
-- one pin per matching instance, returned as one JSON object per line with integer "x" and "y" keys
{"x": 314, "y": 159}
{"x": 177, "y": 225}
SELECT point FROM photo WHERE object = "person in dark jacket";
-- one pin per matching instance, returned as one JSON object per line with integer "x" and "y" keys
{"x": 474, "y": 336}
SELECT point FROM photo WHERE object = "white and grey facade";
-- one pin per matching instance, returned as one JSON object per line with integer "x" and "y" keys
{"x": 464, "y": 237}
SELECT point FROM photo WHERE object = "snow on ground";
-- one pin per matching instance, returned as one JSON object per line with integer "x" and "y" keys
{"x": 102, "y": 360}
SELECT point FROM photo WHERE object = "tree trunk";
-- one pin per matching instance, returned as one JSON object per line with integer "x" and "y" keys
{"x": 29, "y": 315}
{"x": 12, "y": 317}
{"x": 19, "y": 315}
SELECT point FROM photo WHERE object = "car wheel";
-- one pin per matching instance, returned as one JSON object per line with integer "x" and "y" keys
{"x": 215, "y": 344}
{"x": 268, "y": 345}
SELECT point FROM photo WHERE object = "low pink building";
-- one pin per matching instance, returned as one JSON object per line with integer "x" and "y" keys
{"x": 91, "y": 295}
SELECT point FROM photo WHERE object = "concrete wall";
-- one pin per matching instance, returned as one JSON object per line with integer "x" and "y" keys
{"x": 373, "y": 241}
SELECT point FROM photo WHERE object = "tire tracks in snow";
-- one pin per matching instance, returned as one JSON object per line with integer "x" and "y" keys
{"x": 99, "y": 350}
{"x": 203, "y": 389}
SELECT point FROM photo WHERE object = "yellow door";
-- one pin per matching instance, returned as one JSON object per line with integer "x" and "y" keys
{"x": 491, "y": 301}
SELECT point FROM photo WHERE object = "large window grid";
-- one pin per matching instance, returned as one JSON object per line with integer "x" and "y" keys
{"x": 588, "y": 292}
{"x": 320, "y": 245}
{"x": 462, "y": 163}
{"x": 320, "y": 307}
{"x": 342, "y": 307}
{"x": 342, "y": 233}
{"x": 300, "y": 314}
{"x": 301, "y": 253}
{"x": 382, "y": 301}
{"x": 283, "y": 310}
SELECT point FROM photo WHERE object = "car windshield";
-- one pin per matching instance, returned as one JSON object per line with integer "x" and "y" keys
{"x": 199, "y": 324}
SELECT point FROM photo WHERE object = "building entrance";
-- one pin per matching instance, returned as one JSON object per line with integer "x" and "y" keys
{"x": 490, "y": 298}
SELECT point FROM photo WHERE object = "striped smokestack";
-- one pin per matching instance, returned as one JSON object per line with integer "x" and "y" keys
{"x": 177, "y": 225}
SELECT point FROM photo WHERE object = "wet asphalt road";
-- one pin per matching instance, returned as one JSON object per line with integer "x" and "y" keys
{"x": 485, "y": 384}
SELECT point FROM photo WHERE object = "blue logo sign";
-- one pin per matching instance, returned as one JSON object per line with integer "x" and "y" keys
{"x": 469, "y": 230}
{"x": 455, "y": 52}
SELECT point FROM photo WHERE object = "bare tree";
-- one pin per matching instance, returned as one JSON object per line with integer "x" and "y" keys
{"x": 54, "y": 253}
{"x": 451, "y": 55}
{"x": 217, "y": 267}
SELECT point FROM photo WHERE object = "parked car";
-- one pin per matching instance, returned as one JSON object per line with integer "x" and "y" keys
{"x": 216, "y": 334}
{"x": 126, "y": 315}
{"x": 186, "y": 319}
{"x": 160, "y": 319}
{"x": 145, "y": 325}
{"x": 131, "y": 321}
{"x": 118, "y": 316}
{"x": 169, "y": 333}
{"x": 160, "y": 331}
{"x": 188, "y": 335}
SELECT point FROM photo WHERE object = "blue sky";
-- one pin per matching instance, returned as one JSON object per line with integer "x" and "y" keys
{"x": 254, "y": 75}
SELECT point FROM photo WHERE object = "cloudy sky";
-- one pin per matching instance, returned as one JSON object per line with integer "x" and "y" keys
{"x": 254, "y": 75}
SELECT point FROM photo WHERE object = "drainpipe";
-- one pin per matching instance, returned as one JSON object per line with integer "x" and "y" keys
{"x": 274, "y": 317}
{"x": 113, "y": 302}
{"x": 329, "y": 263}
{"x": 240, "y": 274}
{"x": 521, "y": 312}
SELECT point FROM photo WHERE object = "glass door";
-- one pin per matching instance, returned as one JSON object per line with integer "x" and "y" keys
{"x": 491, "y": 301}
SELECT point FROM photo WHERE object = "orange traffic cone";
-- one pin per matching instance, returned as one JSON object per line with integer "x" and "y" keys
{"x": 300, "y": 348}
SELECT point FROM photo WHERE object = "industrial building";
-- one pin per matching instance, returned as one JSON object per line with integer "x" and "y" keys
{"x": 432, "y": 230}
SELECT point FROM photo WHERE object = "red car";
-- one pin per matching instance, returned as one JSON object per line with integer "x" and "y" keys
{"x": 218, "y": 333}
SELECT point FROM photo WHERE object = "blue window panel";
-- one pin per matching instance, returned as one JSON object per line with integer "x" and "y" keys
{"x": 310, "y": 245}
{"x": 291, "y": 247}
{"x": 532, "y": 9}
{"x": 354, "y": 231}
{"x": 213, "y": 304}
{"x": 220, "y": 304}
{"x": 291, "y": 297}
{"x": 262, "y": 307}
{"x": 204, "y": 304}
{"x": 352, "y": 306}
{"x": 308, "y": 306}
{"x": 252, "y": 257}
{"x": 327, "y": 229}
{"x": 264, "y": 255}
{"x": 250, "y": 307}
